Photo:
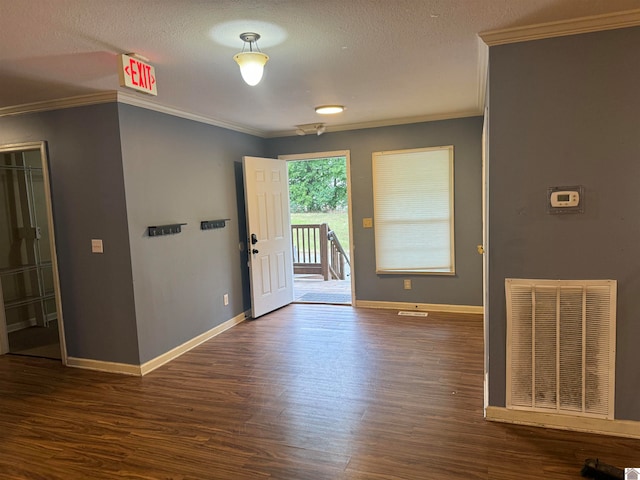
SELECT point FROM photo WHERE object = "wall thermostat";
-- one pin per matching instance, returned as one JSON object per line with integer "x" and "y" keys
{"x": 565, "y": 199}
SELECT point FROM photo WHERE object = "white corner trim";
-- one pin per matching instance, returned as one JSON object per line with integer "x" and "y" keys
{"x": 140, "y": 370}
{"x": 472, "y": 309}
{"x": 574, "y": 26}
{"x": 191, "y": 344}
{"x": 99, "y": 365}
{"x": 600, "y": 426}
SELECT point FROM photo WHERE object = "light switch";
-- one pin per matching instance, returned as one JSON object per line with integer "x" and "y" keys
{"x": 367, "y": 222}
{"x": 96, "y": 246}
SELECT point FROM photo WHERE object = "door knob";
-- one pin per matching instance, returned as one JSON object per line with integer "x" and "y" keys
{"x": 254, "y": 239}
{"x": 254, "y": 251}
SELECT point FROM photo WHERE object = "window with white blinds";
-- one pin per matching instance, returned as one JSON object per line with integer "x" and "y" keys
{"x": 413, "y": 210}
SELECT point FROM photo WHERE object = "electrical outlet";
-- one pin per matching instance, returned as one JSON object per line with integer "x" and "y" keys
{"x": 407, "y": 284}
{"x": 225, "y": 299}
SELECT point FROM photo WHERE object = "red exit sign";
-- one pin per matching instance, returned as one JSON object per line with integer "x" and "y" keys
{"x": 136, "y": 74}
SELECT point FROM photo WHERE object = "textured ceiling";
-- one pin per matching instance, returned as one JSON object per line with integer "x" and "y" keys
{"x": 386, "y": 60}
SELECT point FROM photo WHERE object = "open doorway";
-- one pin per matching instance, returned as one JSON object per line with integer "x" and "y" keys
{"x": 321, "y": 227}
{"x": 30, "y": 320}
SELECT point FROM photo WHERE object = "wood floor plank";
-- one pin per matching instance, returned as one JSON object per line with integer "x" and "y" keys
{"x": 308, "y": 392}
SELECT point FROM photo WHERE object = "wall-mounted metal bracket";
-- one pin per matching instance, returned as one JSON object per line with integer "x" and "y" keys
{"x": 159, "y": 230}
{"x": 212, "y": 224}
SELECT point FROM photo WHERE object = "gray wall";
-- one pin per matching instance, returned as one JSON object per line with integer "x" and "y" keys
{"x": 180, "y": 171}
{"x": 88, "y": 202}
{"x": 565, "y": 111}
{"x": 145, "y": 296}
{"x": 465, "y": 288}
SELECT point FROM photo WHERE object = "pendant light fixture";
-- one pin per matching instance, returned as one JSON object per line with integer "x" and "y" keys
{"x": 251, "y": 62}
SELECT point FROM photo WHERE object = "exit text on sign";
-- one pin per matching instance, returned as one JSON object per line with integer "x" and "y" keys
{"x": 137, "y": 74}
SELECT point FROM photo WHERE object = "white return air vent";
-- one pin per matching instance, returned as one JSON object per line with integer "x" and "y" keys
{"x": 561, "y": 346}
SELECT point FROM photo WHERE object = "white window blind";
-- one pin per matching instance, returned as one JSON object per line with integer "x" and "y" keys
{"x": 413, "y": 210}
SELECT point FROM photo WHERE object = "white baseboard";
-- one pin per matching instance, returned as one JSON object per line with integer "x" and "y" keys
{"x": 600, "y": 426}
{"x": 14, "y": 327}
{"x": 194, "y": 342}
{"x": 429, "y": 307}
{"x": 32, "y": 322}
{"x": 99, "y": 365}
{"x": 140, "y": 370}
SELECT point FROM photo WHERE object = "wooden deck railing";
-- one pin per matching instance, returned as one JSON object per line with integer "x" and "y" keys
{"x": 317, "y": 250}
{"x": 337, "y": 257}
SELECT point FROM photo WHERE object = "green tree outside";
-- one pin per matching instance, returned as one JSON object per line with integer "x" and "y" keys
{"x": 318, "y": 185}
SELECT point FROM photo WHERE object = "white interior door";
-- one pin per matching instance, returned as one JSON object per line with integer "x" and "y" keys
{"x": 269, "y": 228}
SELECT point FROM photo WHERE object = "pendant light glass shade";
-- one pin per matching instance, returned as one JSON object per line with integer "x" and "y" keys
{"x": 251, "y": 66}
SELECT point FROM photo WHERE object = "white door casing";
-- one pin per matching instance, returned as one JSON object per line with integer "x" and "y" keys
{"x": 4, "y": 338}
{"x": 269, "y": 230}
{"x": 485, "y": 254}
{"x": 330, "y": 154}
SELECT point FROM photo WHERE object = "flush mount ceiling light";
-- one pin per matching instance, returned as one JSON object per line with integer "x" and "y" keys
{"x": 329, "y": 109}
{"x": 252, "y": 62}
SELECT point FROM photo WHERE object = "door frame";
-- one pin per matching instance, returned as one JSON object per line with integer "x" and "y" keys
{"x": 42, "y": 147}
{"x": 4, "y": 336}
{"x": 485, "y": 255}
{"x": 347, "y": 155}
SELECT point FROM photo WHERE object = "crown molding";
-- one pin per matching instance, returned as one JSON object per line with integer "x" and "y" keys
{"x": 58, "y": 104}
{"x": 594, "y": 23}
{"x": 386, "y": 123}
{"x": 137, "y": 101}
{"x": 128, "y": 99}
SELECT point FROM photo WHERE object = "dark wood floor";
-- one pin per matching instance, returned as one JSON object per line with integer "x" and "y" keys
{"x": 308, "y": 392}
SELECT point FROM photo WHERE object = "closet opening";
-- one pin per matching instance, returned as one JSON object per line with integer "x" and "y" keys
{"x": 30, "y": 314}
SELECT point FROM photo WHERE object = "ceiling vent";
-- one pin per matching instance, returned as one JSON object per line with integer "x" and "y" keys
{"x": 317, "y": 128}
